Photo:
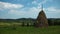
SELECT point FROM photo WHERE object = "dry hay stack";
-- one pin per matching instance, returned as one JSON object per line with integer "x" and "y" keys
{"x": 41, "y": 20}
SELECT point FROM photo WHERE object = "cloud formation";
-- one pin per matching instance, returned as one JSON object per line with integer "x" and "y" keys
{"x": 28, "y": 12}
{"x": 5, "y": 5}
{"x": 52, "y": 10}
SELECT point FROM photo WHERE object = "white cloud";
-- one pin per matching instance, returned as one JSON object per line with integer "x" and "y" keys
{"x": 34, "y": 2}
{"x": 44, "y": 1}
{"x": 53, "y": 10}
{"x": 40, "y": 3}
{"x": 47, "y": 10}
{"x": 5, "y": 5}
{"x": 31, "y": 12}
{"x": 16, "y": 12}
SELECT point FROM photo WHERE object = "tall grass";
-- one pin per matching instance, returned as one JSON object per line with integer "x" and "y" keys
{"x": 29, "y": 30}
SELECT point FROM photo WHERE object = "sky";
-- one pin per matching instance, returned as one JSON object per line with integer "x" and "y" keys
{"x": 13, "y": 9}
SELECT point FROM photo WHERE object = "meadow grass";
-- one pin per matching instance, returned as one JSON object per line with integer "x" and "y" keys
{"x": 29, "y": 30}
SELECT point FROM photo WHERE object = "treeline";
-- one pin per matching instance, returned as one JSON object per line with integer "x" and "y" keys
{"x": 51, "y": 21}
{"x": 54, "y": 21}
{"x": 25, "y": 20}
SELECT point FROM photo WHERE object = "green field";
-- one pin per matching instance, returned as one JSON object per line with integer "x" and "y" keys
{"x": 29, "y": 30}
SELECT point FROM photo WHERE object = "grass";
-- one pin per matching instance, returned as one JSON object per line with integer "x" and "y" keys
{"x": 30, "y": 30}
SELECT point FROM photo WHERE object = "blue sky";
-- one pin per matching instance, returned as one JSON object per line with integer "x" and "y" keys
{"x": 13, "y": 9}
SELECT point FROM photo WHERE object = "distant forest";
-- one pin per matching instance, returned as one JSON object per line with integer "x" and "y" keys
{"x": 51, "y": 21}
